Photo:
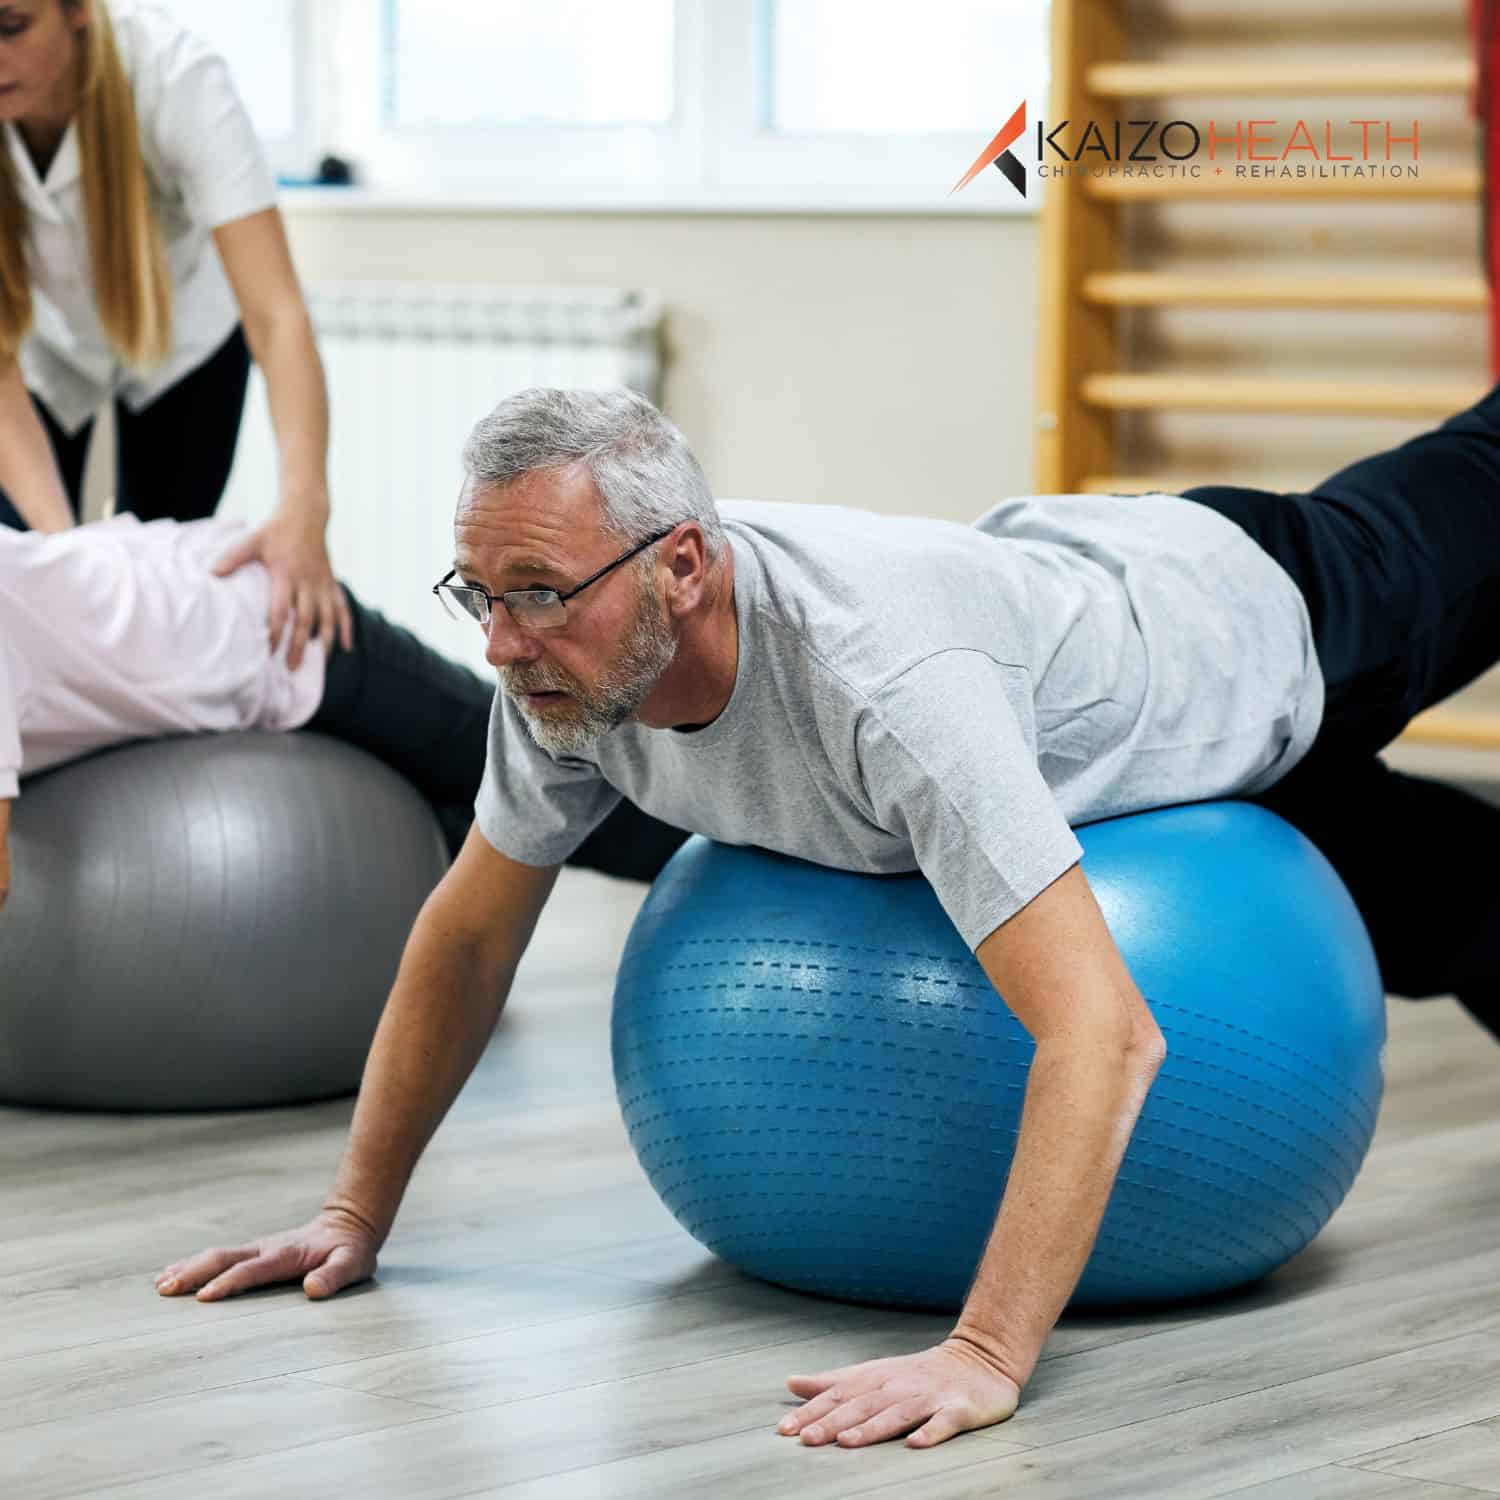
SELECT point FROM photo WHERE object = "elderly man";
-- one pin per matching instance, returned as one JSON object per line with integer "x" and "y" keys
{"x": 887, "y": 693}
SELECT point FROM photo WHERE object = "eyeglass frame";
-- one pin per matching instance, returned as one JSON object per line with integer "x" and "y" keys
{"x": 562, "y": 598}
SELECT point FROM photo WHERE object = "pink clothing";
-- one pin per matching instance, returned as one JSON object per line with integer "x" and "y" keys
{"x": 119, "y": 631}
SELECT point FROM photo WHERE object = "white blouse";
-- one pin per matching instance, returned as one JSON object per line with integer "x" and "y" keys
{"x": 120, "y": 631}
{"x": 204, "y": 167}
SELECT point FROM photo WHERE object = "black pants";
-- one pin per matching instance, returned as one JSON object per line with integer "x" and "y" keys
{"x": 173, "y": 457}
{"x": 428, "y": 717}
{"x": 1398, "y": 557}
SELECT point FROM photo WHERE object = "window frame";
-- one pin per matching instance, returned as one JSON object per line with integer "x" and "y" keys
{"x": 715, "y": 153}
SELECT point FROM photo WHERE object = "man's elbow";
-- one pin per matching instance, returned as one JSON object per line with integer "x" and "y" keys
{"x": 1148, "y": 1047}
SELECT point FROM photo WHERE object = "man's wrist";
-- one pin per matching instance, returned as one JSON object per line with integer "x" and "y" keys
{"x": 343, "y": 1208}
{"x": 997, "y": 1351}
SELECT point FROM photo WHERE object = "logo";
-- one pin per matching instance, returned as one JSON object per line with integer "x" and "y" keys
{"x": 1247, "y": 150}
{"x": 999, "y": 155}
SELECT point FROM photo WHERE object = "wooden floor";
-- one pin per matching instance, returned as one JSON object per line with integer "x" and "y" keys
{"x": 541, "y": 1327}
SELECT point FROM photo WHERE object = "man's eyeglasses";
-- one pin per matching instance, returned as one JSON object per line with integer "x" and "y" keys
{"x": 532, "y": 609}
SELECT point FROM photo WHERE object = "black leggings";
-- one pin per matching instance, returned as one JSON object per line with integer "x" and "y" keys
{"x": 428, "y": 718}
{"x": 173, "y": 457}
{"x": 1398, "y": 557}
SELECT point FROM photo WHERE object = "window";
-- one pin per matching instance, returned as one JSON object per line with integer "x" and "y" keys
{"x": 849, "y": 101}
{"x": 944, "y": 65}
{"x": 817, "y": 104}
{"x": 262, "y": 45}
{"x": 514, "y": 62}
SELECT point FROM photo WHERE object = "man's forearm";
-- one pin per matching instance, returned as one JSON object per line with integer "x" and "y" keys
{"x": 441, "y": 1013}
{"x": 1082, "y": 1101}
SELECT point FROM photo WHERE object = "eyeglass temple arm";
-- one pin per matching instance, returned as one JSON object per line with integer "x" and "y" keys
{"x": 623, "y": 557}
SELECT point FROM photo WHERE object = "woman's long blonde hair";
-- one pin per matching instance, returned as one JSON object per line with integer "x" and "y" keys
{"x": 131, "y": 286}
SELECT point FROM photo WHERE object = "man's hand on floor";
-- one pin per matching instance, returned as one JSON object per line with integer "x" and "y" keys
{"x": 950, "y": 1388}
{"x": 330, "y": 1252}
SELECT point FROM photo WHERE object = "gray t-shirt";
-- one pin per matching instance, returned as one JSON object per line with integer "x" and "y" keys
{"x": 917, "y": 694}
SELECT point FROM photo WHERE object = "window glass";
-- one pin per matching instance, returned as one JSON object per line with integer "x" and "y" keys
{"x": 517, "y": 62}
{"x": 888, "y": 66}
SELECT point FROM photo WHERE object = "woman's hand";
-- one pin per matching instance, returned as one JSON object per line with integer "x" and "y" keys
{"x": 302, "y": 583}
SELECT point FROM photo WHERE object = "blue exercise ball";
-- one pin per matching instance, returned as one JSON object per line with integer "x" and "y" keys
{"x": 825, "y": 1090}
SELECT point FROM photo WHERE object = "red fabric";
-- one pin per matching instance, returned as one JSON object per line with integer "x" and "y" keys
{"x": 1485, "y": 105}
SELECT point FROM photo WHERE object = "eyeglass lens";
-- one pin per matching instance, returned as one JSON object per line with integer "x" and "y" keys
{"x": 537, "y": 608}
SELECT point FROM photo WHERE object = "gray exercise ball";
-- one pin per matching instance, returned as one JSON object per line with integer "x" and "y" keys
{"x": 210, "y": 921}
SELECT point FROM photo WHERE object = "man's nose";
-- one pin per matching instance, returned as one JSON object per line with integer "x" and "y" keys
{"x": 506, "y": 643}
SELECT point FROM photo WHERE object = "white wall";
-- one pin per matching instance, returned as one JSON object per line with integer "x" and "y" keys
{"x": 889, "y": 362}
{"x": 883, "y": 362}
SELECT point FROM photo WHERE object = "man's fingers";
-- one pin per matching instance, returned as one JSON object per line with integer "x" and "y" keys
{"x": 891, "y": 1422}
{"x": 188, "y": 1275}
{"x": 341, "y": 1269}
{"x": 346, "y": 619}
{"x": 830, "y": 1389}
{"x": 279, "y": 1265}
{"x": 845, "y": 1414}
{"x": 811, "y": 1385}
{"x": 818, "y": 1407}
{"x": 939, "y": 1428}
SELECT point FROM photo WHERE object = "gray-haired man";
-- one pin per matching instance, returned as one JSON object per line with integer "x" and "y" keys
{"x": 889, "y": 693}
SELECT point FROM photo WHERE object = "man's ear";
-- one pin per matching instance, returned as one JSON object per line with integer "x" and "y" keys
{"x": 687, "y": 562}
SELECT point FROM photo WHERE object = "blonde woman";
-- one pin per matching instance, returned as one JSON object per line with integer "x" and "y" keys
{"x": 143, "y": 261}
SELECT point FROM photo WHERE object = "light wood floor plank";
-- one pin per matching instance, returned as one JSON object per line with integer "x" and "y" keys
{"x": 761, "y": 1465}
{"x": 130, "y": 1444}
{"x": 1235, "y": 1354}
{"x": 612, "y": 1346}
{"x": 86, "y": 1255}
{"x": 1463, "y": 1455}
{"x": 549, "y": 1435}
{"x": 1338, "y": 1482}
{"x": 54, "y": 1313}
{"x": 675, "y": 1261}
{"x": 1210, "y": 1451}
{"x": 201, "y": 1352}
{"x": 772, "y": 1469}
{"x": 530, "y": 1231}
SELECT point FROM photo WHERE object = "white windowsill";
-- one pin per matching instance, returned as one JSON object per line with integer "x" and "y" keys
{"x": 850, "y": 204}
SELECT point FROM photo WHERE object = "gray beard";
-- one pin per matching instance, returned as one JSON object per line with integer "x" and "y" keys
{"x": 646, "y": 654}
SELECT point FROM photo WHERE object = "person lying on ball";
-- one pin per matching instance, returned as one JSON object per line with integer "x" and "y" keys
{"x": 121, "y": 631}
{"x": 888, "y": 693}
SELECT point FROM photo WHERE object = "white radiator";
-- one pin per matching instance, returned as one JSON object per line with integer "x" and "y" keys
{"x": 411, "y": 367}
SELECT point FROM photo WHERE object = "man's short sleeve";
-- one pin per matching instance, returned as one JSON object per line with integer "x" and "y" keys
{"x": 948, "y": 756}
{"x": 533, "y": 807}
